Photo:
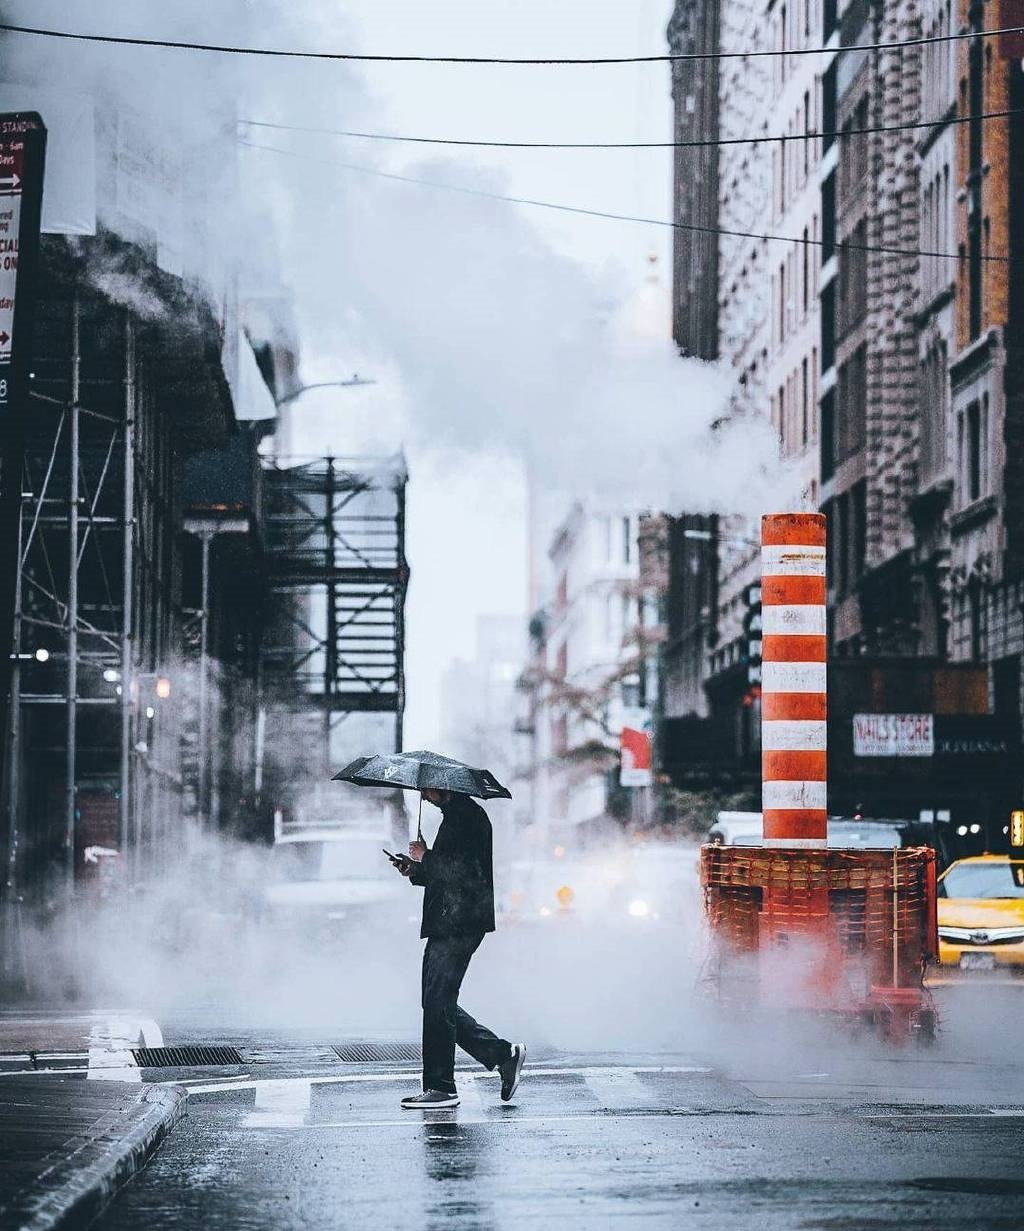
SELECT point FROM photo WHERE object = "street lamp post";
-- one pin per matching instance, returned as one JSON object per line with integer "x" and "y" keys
{"x": 353, "y": 382}
{"x": 206, "y": 530}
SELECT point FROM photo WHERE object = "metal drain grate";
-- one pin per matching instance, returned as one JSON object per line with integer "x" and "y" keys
{"x": 378, "y": 1053}
{"x": 184, "y": 1057}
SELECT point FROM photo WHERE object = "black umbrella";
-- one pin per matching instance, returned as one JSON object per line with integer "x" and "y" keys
{"x": 417, "y": 771}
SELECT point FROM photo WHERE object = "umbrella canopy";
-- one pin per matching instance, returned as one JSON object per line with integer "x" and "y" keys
{"x": 417, "y": 771}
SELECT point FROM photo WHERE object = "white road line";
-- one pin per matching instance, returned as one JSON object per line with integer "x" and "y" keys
{"x": 534, "y": 1071}
{"x": 451, "y": 1117}
{"x": 619, "y": 1090}
{"x": 280, "y": 1103}
{"x": 419, "y": 1121}
{"x": 150, "y": 1033}
{"x": 471, "y": 1105}
{"x": 109, "y": 1058}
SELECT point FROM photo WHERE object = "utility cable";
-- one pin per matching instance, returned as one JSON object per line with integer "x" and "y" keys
{"x": 764, "y": 139}
{"x": 545, "y": 61}
{"x": 598, "y": 213}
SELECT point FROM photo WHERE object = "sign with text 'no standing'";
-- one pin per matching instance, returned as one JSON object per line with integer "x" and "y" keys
{"x": 22, "y": 151}
{"x": 22, "y": 143}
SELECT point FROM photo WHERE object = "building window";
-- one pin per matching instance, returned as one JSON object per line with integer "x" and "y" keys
{"x": 828, "y": 217}
{"x": 978, "y": 619}
{"x": 859, "y": 529}
{"x": 805, "y": 302}
{"x": 805, "y": 404}
{"x": 627, "y": 540}
{"x": 973, "y": 436}
{"x": 934, "y": 394}
{"x": 852, "y": 404}
{"x": 854, "y": 151}
{"x": 841, "y": 553}
{"x": 853, "y": 279}
{"x": 828, "y": 104}
{"x": 782, "y": 302}
{"x": 828, "y": 444}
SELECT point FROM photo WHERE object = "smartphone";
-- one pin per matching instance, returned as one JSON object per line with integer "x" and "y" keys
{"x": 395, "y": 858}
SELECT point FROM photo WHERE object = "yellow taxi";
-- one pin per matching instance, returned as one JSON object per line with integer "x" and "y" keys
{"x": 981, "y": 914}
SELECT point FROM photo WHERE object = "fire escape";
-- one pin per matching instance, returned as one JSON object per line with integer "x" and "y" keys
{"x": 334, "y": 637}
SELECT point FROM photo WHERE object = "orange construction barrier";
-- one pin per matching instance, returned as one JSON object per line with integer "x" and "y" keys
{"x": 794, "y": 924}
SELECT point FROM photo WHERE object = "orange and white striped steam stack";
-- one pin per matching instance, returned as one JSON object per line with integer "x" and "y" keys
{"x": 793, "y": 690}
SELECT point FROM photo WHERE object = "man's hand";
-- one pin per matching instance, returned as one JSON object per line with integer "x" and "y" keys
{"x": 417, "y": 850}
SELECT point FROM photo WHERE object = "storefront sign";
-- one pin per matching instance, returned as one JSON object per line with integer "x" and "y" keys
{"x": 893, "y": 735}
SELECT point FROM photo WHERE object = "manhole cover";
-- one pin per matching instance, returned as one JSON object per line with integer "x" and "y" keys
{"x": 184, "y": 1057}
{"x": 994, "y": 1186}
{"x": 378, "y": 1053}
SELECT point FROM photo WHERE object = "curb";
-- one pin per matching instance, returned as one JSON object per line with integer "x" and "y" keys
{"x": 81, "y": 1184}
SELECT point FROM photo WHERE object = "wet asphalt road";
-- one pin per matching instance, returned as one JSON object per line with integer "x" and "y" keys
{"x": 870, "y": 1142}
{"x": 639, "y": 1104}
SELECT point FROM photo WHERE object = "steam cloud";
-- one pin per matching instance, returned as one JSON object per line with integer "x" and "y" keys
{"x": 501, "y": 345}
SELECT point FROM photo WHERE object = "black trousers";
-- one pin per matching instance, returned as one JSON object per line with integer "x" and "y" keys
{"x": 445, "y": 962}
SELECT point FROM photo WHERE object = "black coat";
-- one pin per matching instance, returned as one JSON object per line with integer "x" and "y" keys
{"x": 457, "y": 874}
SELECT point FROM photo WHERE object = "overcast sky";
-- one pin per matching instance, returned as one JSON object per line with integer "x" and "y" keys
{"x": 483, "y": 324}
{"x": 467, "y": 515}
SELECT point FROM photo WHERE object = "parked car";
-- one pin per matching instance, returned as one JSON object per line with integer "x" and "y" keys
{"x": 981, "y": 914}
{"x": 320, "y": 877}
{"x": 844, "y": 832}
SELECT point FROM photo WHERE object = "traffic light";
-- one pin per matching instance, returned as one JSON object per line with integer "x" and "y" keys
{"x": 1017, "y": 828}
{"x": 752, "y": 632}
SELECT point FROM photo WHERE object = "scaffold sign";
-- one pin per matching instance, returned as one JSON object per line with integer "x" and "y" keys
{"x": 635, "y": 743}
{"x": 21, "y": 152}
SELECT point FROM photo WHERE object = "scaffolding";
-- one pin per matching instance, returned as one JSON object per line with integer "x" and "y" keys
{"x": 94, "y": 777}
{"x": 334, "y": 638}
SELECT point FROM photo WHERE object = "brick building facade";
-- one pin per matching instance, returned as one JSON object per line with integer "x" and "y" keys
{"x": 912, "y": 340}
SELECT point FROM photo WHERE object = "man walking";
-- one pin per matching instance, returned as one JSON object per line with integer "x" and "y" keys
{"x": 458, "y": 910}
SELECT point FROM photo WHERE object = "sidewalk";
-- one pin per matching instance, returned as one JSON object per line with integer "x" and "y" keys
{"x": 67, "y": 1144}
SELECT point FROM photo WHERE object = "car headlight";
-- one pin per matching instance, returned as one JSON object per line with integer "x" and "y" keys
{"x": 639, "y": 909}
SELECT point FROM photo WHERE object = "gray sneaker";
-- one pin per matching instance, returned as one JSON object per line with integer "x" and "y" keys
{"x": 429, "y": 1099}
{"x": 511, "y": 1070}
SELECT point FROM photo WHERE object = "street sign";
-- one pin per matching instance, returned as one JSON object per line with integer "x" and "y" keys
{"x": 635, "y": 744}
{"x": 22, "y": 152}
{"x": 22, "y": 141}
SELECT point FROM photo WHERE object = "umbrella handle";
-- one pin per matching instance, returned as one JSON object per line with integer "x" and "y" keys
{"x": 419, "y": 822}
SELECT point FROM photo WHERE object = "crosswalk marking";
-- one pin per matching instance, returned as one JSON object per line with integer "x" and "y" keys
{"x": 280, "y": 1103}
{"x": 621, "y": 1089}
{"x": 110, "y": 1055}
{"x": 583, "y": 1093}
{"x": 471, "y": 1105}
{"x": 531, "y": 1072}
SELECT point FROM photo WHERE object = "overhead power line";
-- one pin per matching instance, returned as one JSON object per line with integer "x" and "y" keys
{"x": 541, "y": 61}
{"x": 763, "y": 139}
{"x": 800, "y": 241}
